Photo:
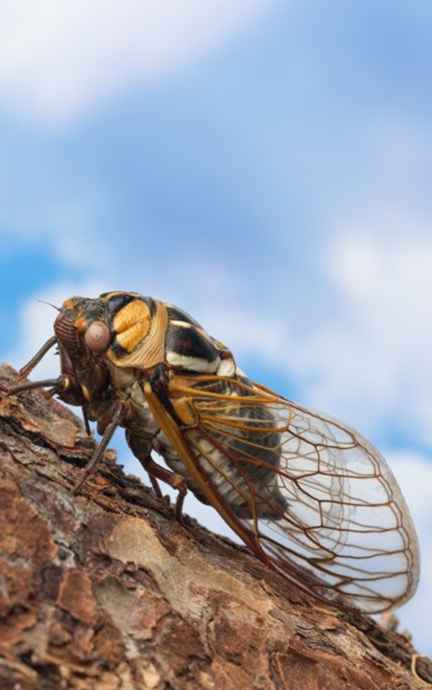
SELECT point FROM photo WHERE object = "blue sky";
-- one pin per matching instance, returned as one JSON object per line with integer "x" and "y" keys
{"x": 264, "y": 165}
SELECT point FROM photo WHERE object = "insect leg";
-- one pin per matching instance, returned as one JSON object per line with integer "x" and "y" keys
{"x": 177, "y": 482}
{"x": 155, "y": 485}
{"x": 45, "y": 383}
{"x": 86, "y": 420}
{"x": 143, "y": 452}
{"x": 106, "y": 438}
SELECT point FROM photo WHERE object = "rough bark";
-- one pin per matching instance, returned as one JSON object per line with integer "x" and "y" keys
{"x": 105, "y": 590}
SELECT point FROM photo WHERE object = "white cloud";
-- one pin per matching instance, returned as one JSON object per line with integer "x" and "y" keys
{"x": 66, "y": 230}
{"x": 371, "y": 359}
{"x": 414, "y": 474}
{"x": 58, "y": 58}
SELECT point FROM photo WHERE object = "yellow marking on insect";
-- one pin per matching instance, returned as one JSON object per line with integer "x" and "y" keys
{"x": 86, "y": 393}
{"x": 185, "y": 411}
{"x": 132, "y": 324}
{"x": 69, "y": 303}
{"x": 80, "y": 324}
{"x": 151, "y": 350}
{"x": 180, "y": 385}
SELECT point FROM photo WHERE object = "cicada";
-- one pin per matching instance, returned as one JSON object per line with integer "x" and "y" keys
{"x": 307, "y": 494}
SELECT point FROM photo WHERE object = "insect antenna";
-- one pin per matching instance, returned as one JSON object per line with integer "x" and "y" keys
{"x": 27, "y": 368}
{"x": 43, "y": 301}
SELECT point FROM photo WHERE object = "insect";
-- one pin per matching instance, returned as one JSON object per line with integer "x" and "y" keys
{"x": 308, "y": 495}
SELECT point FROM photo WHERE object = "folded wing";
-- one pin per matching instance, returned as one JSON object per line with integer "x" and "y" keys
{"x": 316, "y": 494}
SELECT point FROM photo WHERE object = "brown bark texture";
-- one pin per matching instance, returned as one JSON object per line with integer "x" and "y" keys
{"x": 106, "y": 590}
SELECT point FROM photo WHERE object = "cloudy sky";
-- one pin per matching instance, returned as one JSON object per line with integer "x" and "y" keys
{"x": 264, "y": 165}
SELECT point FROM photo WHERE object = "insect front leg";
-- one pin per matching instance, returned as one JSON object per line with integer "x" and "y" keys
{"x": 106, "y": 438}
{"x": 142, "y": 450}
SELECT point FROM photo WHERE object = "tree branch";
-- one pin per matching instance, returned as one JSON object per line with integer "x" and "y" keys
{"x": 105, "y": 590}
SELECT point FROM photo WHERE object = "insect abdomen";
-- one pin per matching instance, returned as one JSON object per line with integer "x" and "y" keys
{"x": 243, "y": 473}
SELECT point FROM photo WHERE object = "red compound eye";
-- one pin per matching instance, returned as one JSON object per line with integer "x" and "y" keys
{"x": 97, "y": 337}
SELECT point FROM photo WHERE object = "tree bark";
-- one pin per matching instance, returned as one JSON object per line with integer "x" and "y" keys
{"x": 105, "y": 590}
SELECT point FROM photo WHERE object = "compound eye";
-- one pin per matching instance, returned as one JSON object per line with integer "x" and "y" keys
{"x": 97, "y": 337}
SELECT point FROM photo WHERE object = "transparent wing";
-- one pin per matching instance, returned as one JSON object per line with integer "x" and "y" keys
{"x": 314, "y": 492}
